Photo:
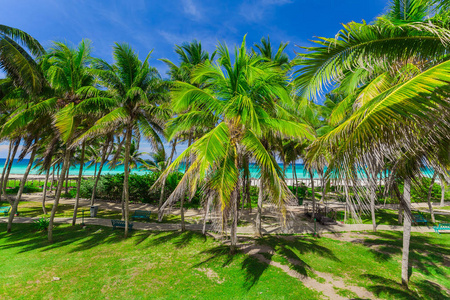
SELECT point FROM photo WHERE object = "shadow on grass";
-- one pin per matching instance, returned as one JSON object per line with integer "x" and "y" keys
{"x": 426, "y": 253}
{"x": 382, "y": 287}
{"x": 29, "y": 239}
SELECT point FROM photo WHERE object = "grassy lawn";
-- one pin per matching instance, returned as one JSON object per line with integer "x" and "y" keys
{"x": 97, "y": 263}
{"x": 33, "y": 209}
{"x": 372, "y": 262}
{"x": 390, "y": 217}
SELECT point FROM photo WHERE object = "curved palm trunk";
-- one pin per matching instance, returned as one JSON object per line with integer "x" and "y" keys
{"x": 5, "y": 182}
{"x": 80, "y": 174}
{"x": 97, "y": 177}
{"x": 45, "y": 191}
{"x": 6, "y": 164}
{"x": 58, "y": 195}
{"x": 296, "y": 181}
{"x": 313, "y": 215}
{"x": 19, "y": 193}
{"x": 406, "y": 232}
{"x": 66, "y": 178}
{"x": 126, "y": 176}
{"x": 430, "y": 205}
{"x": 53, "y": 179}
{"x": 258, "y": 232}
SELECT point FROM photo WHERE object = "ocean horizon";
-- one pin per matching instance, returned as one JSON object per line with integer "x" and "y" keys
{"x": 18, "y": 168}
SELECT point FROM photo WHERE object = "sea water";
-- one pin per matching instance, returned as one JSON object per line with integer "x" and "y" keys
{"x": 19, "y": 167}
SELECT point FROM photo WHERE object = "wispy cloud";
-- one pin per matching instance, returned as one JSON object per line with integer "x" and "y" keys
{"x": 191, "y": 9}
{"x": 256, "y": 10}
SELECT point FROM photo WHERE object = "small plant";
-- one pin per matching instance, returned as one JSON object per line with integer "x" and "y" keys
{"x": 42, "y": 223}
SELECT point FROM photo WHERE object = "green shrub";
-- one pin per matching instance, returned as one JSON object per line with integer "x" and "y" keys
{"x": 42, "y": 223}
{"x": 110, "y": 187}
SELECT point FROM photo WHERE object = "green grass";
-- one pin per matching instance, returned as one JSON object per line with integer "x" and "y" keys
{"x": 33, "y": 209}
{"x": 374, "y": 263}
{"x": 97, "y": 263}
{"x": 32, "y": 186}
{"x": 390, "y": 217}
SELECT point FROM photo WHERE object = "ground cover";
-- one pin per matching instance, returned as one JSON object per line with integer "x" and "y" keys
{"x": 97, "y": 263}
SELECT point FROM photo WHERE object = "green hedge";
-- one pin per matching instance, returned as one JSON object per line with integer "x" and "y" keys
{"x": 110, "y": 187}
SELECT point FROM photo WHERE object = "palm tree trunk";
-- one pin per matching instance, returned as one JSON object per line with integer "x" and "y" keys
{"x": 188, "y": 162}
{"x": 6, "y": 164}
{"x": 208, "y": 204}
{"x": 293, "y": 177}
{"x": 80, "y": 174}
{"x": 296, "y": 181}
{"x": 45, "y": 191}
{"x": 442, "y": 191}
{"x": 234, "y": 211}
{"x": 372, "y": 209}
{"x": 97, "y": 177}
{"x": 58, "y": 194}
{"x": 313, "y": 215}
{"x": 161, "y": 198}
{"x": 406, "y": 232}
{"x": 126, "y": 175}
{"x": 247, "y": 188}
{"x": 430, "y": 190}
{"x": 95, "y": 169}
{"x": 400, "y": 213}
{"x": 258, "y": 232}
{"x": 67, "y": 180}
{"x": 19, "y": 193}
{"x": 53, "y": 179}
{"x": 5, "y": 182}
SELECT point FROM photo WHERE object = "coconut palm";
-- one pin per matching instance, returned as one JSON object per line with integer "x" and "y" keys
{"x": 65, "y": 69}
{"x": 18, "y": 51}
{"x": 137, "y": 91}
{"x": 241, "y": 98}
{"x": 397, "y": 116}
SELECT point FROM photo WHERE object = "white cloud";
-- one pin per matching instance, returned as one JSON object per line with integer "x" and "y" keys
{"x": 255, "y": 11}
{"x": 191, "y": 9}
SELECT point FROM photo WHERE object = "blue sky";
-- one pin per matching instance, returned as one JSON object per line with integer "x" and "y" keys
{"x": 160, "y": 24}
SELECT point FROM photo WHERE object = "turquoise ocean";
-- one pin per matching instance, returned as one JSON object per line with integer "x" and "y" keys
{"x": 19, "y": 168}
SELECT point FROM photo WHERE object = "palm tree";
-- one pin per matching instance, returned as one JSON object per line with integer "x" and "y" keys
{"x": 19, "y": 62}
{"x": 66, "y": 69}
{"x": 399, "y": 115}
{"x": 240, "y": 98}
{"x": 136, "y": 90}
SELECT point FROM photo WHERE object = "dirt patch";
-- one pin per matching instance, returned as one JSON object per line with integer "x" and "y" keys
{"x": 329, "y": 285}
{"x": 211, "y": 274}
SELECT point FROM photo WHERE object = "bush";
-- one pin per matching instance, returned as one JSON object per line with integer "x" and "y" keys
{"x": 110, "y": 187}
{"x": 42, "y": 223}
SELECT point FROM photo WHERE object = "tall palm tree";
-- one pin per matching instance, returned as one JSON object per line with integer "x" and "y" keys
{"x": 137, "y": 90}
{"x": 241, "y": 99}
{"x": 397, "y": 115}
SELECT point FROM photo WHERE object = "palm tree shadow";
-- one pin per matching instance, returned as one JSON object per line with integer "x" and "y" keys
{"x": 254, "y": 268}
